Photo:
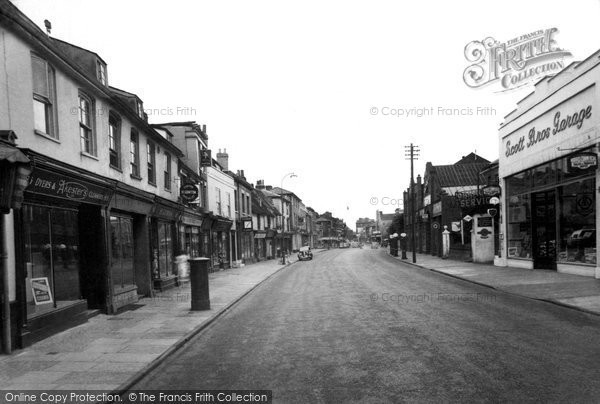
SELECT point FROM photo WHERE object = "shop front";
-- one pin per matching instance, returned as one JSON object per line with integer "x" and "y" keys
{"x": 549, "y": 175}
{"x": 246, "y": 240}
{"x": 129, "y": 243}
{"x": 61, "y": 228}
{"x": 221, "y": 243}
{"x": 163, "y": 236}
{"x": 270, "y": 244}
{"x": 190, "y": 234}
{"x": 260, "y": 245}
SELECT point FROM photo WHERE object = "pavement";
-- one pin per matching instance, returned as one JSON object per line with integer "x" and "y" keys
{"x": 109, "y": 352}
{"x": 573, "y": 291}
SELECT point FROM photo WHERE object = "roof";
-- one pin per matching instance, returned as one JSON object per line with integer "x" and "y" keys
{"x": 266, "y": 203}
{"x": 456, "y": 175}
{"x": 387, "y": 216}
{"x": 281, "y": 191}
{"x": 472, "y": 158}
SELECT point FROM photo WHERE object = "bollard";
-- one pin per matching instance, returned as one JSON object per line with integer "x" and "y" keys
{"x": 199, "y": 283}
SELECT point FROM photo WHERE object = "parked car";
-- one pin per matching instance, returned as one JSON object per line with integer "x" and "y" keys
{"x": 305, "y": 254}
{"x": 344, "y": 244}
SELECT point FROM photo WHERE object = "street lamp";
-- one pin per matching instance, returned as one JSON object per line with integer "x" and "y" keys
{"x": 291, "y": 175}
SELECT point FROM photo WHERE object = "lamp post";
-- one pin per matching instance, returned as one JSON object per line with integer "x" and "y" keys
{"x": 291, "y": 175}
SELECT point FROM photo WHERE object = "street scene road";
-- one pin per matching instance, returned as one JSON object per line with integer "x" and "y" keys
{"x": 357, "y": 325}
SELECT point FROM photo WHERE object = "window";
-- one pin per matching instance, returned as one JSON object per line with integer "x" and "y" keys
{"x": 101, "y": 72}
{"x": 228, "y": 204}
{"x": 114, "y": 140}
{"x": 134, "y": 152}
{"x": 578, "y": 222}
{"x": 150, "y": 150}
{"x": 139, "y": 109}
{"x": 235, "y": 200}
{"x": 86, "y": 119}
{"x": 218, "y": 193}
{"x": 44, "y": 97}
{"x": 167, "y": 171}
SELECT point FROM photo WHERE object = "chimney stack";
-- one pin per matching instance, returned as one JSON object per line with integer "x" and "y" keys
{"x": 260, "y": 184}
{"x": 269, "y": 187}
{"x": 223, "y": 159}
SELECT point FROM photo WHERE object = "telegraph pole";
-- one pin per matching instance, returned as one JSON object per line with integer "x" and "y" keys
{"x": 412, "y": 153}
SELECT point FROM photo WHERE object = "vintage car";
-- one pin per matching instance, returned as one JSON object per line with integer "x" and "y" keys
{"x": 305, "y": 254}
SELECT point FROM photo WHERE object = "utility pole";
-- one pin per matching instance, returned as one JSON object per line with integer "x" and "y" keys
{"x": 412, "y": 153}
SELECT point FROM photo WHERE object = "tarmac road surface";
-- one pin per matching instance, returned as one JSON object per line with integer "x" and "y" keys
{"x": 356, "y": 325}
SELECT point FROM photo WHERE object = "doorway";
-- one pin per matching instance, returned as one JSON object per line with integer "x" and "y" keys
{"x": 544, "y": 229}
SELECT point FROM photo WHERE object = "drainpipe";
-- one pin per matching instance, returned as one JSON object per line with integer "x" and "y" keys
{"x": 6, "y": 337}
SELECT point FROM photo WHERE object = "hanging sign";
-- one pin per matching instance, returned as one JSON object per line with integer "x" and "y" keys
{"x": 467, "y": 218}
{"x": 41, "y": 291}
{"x": 189, "y": 192}
{"x": 205, "y": 158}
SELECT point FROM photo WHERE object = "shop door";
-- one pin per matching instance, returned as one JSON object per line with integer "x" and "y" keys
{"x": 544, "y": 230}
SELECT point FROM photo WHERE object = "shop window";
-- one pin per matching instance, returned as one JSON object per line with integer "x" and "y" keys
{"x": 578, "y": 223}
{"x": 163, "y": 255}
{"x": 122, "y": 268}
{"x": 519, "y": 226}
{"x": 519, "y": 183}
{"x": 544, "y": 175}
{"x": 52, "y": 255}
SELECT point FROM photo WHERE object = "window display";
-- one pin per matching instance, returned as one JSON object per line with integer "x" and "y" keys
{"x": 578, "y": 223}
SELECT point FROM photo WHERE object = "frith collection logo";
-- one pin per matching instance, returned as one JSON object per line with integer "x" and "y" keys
{"x": 514, "y": 63}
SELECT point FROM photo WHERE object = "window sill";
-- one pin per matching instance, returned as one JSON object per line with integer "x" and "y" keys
{"x": 45, "y": 135}
{"x": 135, "y": 177}
{"x": 168, "y": 190}
{"x": 91, "y": 156}
{"x": 152, "y": 183}
{"x": 116, "y": 168}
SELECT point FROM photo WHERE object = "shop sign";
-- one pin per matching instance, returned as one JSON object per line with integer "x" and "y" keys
{"x": 247, "y": 223}
{"x": 66, "y": 187}
{"x": 165, "y": 212}
{"x": 191, "y": 220}
{"x": 584, "y": 204}
{"x": 189, "y": 192}
{"x": 467, "y": 218}
{"x": 40, "y": 289}
{"x": 484, "y": 221}
{"x": 437, "y": 208}
{"x": 205, "y": 158}
{"x": 560, "y": 123}
{"x": 494, "y": 200}
{"x": 466, "y": 200}
{"x": 427, "y": 200}
{"x": 122, "y": 202}
{"x": 491, "y": 190}
{"x": 582, "y": 161}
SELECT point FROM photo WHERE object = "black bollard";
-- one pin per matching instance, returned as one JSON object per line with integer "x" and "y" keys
{"x": 199, "y": 283}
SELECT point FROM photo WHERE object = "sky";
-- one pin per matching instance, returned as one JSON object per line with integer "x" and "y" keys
{"x": 310, "y": 86}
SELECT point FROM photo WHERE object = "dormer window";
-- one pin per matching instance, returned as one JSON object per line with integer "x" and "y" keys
{"x": 101, "y": 72}
{"x": 140, "y": 109}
